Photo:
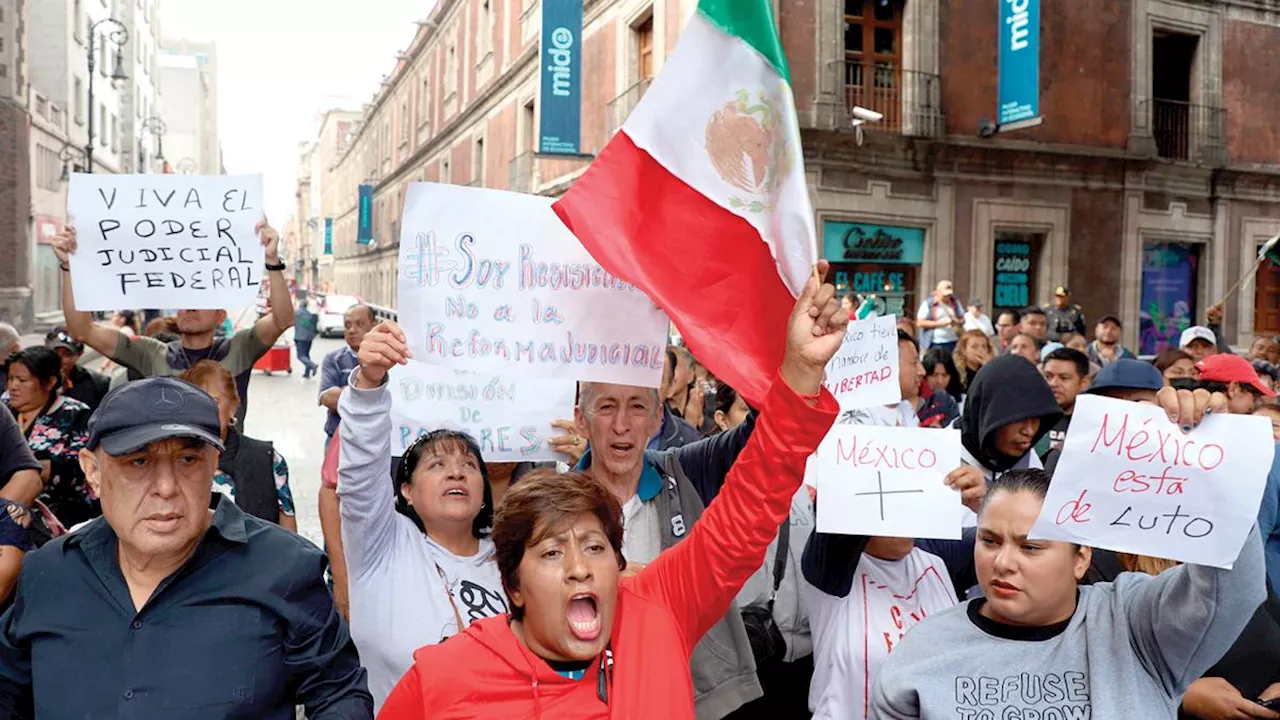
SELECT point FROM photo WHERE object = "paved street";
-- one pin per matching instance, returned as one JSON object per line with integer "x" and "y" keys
{"x": 283, "y": 409}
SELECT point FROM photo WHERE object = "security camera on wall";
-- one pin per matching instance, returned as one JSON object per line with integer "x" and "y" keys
{"x": 863, "y": 115}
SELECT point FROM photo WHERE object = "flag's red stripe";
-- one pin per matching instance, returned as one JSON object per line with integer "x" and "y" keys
{"x": 705, "y": 266}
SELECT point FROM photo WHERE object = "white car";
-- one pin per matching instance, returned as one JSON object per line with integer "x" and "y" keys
{"x": 332, "y": 308}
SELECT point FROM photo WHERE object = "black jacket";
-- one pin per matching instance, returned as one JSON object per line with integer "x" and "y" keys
{"x": 88, "y": 387}
{"x": 1006, "y": 390}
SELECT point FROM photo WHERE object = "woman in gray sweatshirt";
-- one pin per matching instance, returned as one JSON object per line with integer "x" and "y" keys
{"x": 1037, "y": 647}
{"x": 419, "y": 559}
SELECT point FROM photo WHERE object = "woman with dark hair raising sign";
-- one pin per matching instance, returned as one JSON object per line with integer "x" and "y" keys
{"x": 420, "y": 563}
{"x": 582, "y": 641}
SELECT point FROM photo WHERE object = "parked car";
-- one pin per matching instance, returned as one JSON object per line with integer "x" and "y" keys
{"x": 332, "y": 308}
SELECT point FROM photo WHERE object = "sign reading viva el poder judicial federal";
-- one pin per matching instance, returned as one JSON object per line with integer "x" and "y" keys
{"x": 165, "y": 241}
{"x": 493, "y": 282}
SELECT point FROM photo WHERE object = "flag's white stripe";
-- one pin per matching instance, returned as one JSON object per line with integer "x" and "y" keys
{"x": 705, "y": 73}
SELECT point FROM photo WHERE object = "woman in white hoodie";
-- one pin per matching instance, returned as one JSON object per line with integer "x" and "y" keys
{"x": 419, "y": 560}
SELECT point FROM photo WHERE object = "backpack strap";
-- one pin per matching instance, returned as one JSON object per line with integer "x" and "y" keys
{"x": 780, "y": 558}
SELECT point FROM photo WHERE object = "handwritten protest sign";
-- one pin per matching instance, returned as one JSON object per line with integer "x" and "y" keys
{"x": 509, "y": 418}
{"x": 1130, "y": 481}
{"x": 165, "y": 241}
{"x": 493, "y": 282}
{"x": 864, "y": 372}
{"x": 888, "y": 481}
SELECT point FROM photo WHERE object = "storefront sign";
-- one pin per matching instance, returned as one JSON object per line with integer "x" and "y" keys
{"x": 560, "y": 128}
{"x": 1013, "y": 274}
{"x": 364, "y": 220}
{"x": 1168, "y": 295}
{"x": 860, "y": 243}
{"x": 1018, "y": 76}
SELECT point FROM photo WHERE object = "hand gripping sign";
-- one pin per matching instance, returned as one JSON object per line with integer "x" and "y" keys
{"x": 1130, "y": 481}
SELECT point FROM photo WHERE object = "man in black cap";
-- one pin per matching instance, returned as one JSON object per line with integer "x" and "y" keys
{"x": 1106, "y": 348}
{"x": 79, "y": 383}
{"x": 1064, "y": 316}
{"x": 163, "y": 608}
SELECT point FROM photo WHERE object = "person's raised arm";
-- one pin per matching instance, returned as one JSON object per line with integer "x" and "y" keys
{"x": 699, "y": 577}
{"x": 367, "y": 504}
{"x": 272, "y": 326}
{"x": 1185, "y": 619}
{"x": 79, "y": 323}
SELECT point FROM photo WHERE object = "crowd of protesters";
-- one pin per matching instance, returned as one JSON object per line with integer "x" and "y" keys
{"x": 669, "y": 565}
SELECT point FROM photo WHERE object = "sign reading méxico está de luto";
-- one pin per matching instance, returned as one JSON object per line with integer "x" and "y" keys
{"x": 176, "y": 241}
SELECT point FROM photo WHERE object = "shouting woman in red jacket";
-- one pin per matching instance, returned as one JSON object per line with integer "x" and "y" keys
{"x": 581, "y": 642}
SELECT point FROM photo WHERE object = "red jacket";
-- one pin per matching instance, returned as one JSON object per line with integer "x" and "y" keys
{"x": 485, "y": 672}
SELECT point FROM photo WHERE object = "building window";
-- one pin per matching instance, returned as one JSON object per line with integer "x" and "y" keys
{"x": 1266, "y": 301}
{"x": 526, "y": 140}
{"x": 445, "y": 176}
{"x": 42, "y": 107}
{"x": 644, "y": 41}
{"x": 404, "y": 123}
{"x": 451, "y": 71}
{"x": 873, "y": 56}
{"x": 115, "y": 133}
{"x": 102, "y": 121}
{"x": 79, "y": 101}
{"x": 477, "y": 163}
{"x": 1173, "y": 57}
{"x": 48, "y": 168}
{"x": 78, "y": 24}
{"x": 424, "y": 102}
{"x": 1170, "y": 289}
{"x": 484, "y": 44}
{"x": 4, "y": 70}
{"x": 55, "y": 116}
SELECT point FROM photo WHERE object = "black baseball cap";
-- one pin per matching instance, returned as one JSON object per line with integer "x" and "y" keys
{"x": 60, "y": 338}
{"x": 1111, "y": 318}
{"x": 1127, "y": 374}
{"x": 139, "y": 413}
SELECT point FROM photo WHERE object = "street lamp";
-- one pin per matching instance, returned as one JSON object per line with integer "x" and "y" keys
{"x": 66, "y": 155}
{"x": 118, "y": 36}
{"x": 158, "y": 128}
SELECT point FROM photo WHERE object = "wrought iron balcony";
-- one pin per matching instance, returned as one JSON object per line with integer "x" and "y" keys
{"x": 620, "y": 107}
{"x": 909, "y": 100}
{"x": 1187, "y": 132}
{"x": 521, "y": 178}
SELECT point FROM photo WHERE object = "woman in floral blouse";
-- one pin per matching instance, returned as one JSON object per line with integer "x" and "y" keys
{"x": 56, "y": 428}
{"x": 250, "y": 472}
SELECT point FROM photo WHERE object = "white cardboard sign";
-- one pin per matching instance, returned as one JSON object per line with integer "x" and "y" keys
{"x": 1130, "y": 481}
{"x": 509, "y": 418}
{"x": 888, "y": 481}
{"x": 493, "y": 282}
{"x": 165, "y": 241}
{"x": 864, "y": 372}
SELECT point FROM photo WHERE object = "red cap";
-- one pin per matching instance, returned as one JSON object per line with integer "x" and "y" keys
{"x": 1226, "y": 368}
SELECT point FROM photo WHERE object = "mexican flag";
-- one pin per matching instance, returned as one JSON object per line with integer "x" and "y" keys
{"x": 700, "y": 199}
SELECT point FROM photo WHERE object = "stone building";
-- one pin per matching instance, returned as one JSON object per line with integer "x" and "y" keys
{"x": 1147, "y": 189}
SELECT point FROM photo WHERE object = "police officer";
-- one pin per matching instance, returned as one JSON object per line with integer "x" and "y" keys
{"x": 1064, "y": 317}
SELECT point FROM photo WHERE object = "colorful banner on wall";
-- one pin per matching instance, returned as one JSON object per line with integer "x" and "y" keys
{"x": 364, "y": 224}
{"x": 1169, "y": 273}
{"x": 1018, "y": 77}
{"x": 560, "y": 106}
{"x": 328, "y": 236}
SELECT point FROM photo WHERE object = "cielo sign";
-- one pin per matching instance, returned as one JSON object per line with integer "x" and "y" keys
{"x": 560, "y": 126}
{"x": 1018, "y": 76}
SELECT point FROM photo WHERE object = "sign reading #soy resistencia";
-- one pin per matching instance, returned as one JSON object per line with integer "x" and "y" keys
{"x": 1130, "y": 481}
{"x": 184, "y": 241}
{"x": 493, "y": 282}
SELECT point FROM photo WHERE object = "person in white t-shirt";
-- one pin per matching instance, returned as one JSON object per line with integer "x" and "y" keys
{"x": 975, "y": 319}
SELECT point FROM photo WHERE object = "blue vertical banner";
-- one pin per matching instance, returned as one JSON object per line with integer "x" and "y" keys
{"x": 328, "y": 236}
{"x": 1019, "y": 71}
{"x": 364, "y": 217}
{"x": 560, "y": 105}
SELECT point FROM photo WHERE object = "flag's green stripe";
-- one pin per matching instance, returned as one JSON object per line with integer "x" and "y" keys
{"x": 752, "y": 21}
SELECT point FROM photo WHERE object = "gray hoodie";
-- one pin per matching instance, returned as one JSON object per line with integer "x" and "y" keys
{"x": 406, "y": 590}
{"x": 1129, "y": 651}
